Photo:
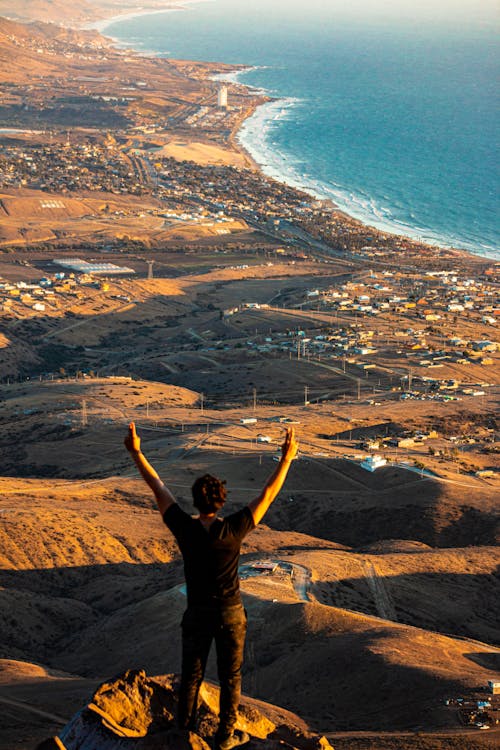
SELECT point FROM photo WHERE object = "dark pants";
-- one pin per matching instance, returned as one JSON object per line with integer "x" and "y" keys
{"x": 200, "y": 626}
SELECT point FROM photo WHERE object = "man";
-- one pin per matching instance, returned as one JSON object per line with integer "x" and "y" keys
{"x": 210, "y": 546}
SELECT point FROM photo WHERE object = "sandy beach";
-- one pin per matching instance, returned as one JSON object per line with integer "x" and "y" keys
{"x": 101, "y": 24}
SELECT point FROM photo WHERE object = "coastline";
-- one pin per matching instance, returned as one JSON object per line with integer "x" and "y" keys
{"x": 275, "y": 168}
{"x": 242, "y": 139}
{"x": 101, "y": 24}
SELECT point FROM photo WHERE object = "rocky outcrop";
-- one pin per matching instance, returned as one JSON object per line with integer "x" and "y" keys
{"x": 136, "y": 712}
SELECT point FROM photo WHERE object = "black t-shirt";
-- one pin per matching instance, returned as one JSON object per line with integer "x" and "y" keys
{"x": 210, "y": 555}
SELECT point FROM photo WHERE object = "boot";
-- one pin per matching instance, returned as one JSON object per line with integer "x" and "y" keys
{"x": 235, "y": 739}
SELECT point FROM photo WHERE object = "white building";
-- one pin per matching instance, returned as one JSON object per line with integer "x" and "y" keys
{"x": 222, "y": 97}
{"x": 373, "y": 462}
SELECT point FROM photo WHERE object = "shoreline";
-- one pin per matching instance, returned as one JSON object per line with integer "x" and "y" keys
{"x": 237, "y": 142}
{"x": 101, "y": 24}
{"x": 296, "y": 181}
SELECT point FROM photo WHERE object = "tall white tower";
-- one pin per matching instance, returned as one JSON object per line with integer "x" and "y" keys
{"x": 222, "y": 97}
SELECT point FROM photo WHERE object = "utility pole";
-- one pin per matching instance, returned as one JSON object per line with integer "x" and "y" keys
{"x": 298, "y": 349}
{"x": 84, "y": 413}
{"x": 254, "y": 400}
{"x": 306, "y": 389}
{"x": 150, "y": 268}
{"x": 359, "y": 388}
{"x": 410, "y": 375}
{"x": 201, "y": 402}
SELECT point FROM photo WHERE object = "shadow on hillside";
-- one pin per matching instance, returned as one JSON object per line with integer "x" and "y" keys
{"x": 41, "y": 608}
{"x": 98, "y": 620}
{"x": 344, "y": 674}
{"x": 455, "y": 604}
{"x": 488, "y": 660}
{"x": 121, "y": 342}
{"x": 104, "y": 587}
{"x": 418, "y": 511}
{"x": 473, "y": 527}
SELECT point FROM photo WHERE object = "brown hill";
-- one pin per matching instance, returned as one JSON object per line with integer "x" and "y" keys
{"x": 52, "y": 11}
{"x": 22, "y": 45}
{"x": 361, "y": 508}
{"x": 91, "y": 577}
{"x": 337, "y": 669}
{"x": 59, "y": 428}
{"x": 452, "y": 591}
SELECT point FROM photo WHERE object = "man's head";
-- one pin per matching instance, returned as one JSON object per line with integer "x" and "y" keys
{"x": 209, "y": 494}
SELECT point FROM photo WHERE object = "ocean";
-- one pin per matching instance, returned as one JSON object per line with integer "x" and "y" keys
{"x": 394, "y": 119}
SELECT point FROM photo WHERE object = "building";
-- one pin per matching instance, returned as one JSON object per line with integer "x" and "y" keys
{"x": 494, "y": 687}
{"x": 222, "y": 97}
{"x": 371, "y": 463}
{"x": 81, "y": 266}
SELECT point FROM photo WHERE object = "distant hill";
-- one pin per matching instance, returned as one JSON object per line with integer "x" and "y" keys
{"x": 50, "y": 11}
{"x": 23, "y": 47}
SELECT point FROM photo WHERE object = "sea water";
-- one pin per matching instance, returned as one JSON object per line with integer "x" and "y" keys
{"x": 394, "y": 119}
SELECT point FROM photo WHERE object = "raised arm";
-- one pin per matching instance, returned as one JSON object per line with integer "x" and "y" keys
{"x": 260, "y": 504}
{"x": 164, "y": 497}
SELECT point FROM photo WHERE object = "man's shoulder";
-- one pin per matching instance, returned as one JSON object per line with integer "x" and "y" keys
{"x": 174, "y": 514}
{"x": 241, "y": 520}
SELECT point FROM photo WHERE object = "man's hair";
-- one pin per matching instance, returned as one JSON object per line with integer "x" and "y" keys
{"x": 209, "y": 493}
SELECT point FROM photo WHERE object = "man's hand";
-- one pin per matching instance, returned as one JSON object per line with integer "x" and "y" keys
{"x": 132, "y": 441}
{"x": 290, "y": 446}
{"x": 164, "y": 497}
{"x": 260, "y": 504}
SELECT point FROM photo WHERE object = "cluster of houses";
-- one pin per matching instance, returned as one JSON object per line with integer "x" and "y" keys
{"x": 348, "y": 343}
{"x": 53, "y": 45}
{"x": 441, "y": 297}
{"x": 68, "y": 168}
{"x": 426, "y": 298}
{"x": 481, "y": 710}
{"x": 229, "y": 189}
{"x": 49, "y": 292}
{"x": 208, "y": 117}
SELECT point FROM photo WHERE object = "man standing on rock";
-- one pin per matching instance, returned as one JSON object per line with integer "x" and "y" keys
{"x": 210, "y": 546}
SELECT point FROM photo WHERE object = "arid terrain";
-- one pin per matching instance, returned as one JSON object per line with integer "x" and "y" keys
{"x": 383, "y": 601}
{"x": 230, "y": 308}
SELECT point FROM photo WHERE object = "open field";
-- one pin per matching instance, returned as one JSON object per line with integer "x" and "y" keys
{"x": 202, "y": 153}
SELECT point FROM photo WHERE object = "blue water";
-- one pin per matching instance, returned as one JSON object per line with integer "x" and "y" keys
{"x": 395, "y": 120}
